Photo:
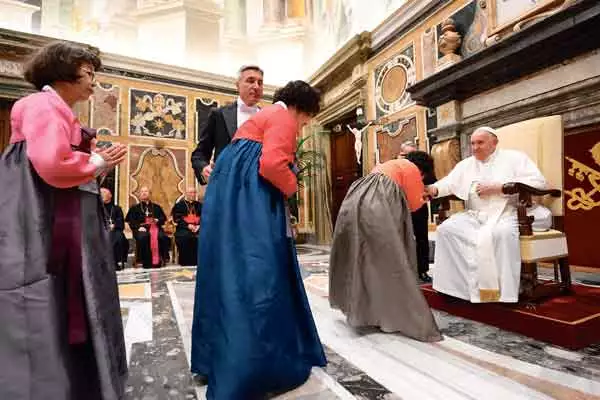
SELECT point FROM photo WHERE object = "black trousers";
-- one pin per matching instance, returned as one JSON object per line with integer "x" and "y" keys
{"x": 120, "y": 246}
{"x": 187, "y": 246}
{"x": 420, "y": 220}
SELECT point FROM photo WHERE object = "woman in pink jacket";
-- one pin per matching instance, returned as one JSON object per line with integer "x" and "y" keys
{"x": 61, "y": 335}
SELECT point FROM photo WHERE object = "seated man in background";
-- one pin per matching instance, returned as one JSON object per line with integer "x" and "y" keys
{"x": 477, "y": 251}
{"x": 186, "y": 215}
{"x": 113, "y": 215}
{"x": 146, "y": 220}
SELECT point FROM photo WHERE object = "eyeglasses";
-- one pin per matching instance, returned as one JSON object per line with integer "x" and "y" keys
{"x": 90, "y": 73}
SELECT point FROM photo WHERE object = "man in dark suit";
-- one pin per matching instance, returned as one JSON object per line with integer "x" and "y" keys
{"x": 224, "y": 121}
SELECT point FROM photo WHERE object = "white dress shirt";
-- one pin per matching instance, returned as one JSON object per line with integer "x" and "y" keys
{"x": 244, "y": 112}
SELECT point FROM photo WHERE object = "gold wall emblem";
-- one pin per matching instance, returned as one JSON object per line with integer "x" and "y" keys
{"x": 579, "y": 197}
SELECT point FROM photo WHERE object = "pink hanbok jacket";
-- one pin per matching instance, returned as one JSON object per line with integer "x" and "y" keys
{"x": 49, "y": 127}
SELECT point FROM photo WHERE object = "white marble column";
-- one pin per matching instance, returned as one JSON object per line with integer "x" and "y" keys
{"x": 235, "y": 17}
{"x": 180, "y": 32}
{"x": 273, "y": 12}
{"x": 16, "y": 15}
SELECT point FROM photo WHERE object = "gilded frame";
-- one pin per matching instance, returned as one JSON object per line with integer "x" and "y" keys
{"x": 541, "y": 6}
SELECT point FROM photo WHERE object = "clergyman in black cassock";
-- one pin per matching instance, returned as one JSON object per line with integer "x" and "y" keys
{"x": 146, "y": 220}
{"x": 115, "y": 222}
{"x": 186, "y": 214}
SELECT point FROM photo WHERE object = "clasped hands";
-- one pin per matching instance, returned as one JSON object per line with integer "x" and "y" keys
{"x": 193, "y": 228}
{"x": 144, "y": 229}
{"x": 112, "y": 155}
{"x": 488, "y": 189}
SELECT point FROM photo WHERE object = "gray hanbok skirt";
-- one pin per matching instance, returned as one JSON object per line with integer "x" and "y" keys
{"x": 39, "y": 359}
{"x": 373, "y": 266}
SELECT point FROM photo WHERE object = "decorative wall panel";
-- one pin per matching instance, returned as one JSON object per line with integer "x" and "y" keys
{"x": 429, "y": 45}
{"x": 203, "y": 107}
{"x": 474, "y": 39}
{"x": 582, "y": 196}
{"x": 155, "y": 114}
{"x": 463, "y": 19}
{"x": 162, "y": 170}
{"x": 110, "y": 181}
{"x": 105, "y": 108}
{"x": 391, "y": 137}
{"x": 391, "y": 80}
{"x": 82, "y": 111}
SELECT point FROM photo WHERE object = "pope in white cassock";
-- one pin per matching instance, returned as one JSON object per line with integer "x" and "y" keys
{"x": 477, "y": 254}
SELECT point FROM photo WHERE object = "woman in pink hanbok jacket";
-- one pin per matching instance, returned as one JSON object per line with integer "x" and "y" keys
{"x": 61, "y": 336}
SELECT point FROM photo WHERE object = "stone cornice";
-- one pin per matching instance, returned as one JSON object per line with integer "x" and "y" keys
{"x": 356, "y": 51}
{"x": 345, "y": 102}
{"x": 201, "y": 8}
{"x": 409, "y": 15}
{"x": 557, "y": 38}
{"x": 140, "y": 69}
{"x": 578, "y": 103}
{"x": 21, "y": 43}
{"x": 17, "y": 45}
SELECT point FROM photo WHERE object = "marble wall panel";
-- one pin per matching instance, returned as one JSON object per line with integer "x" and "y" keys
{"x": 203, "y": 107}
{"x": 157, "y": 114}
{"x": 105, "y": 106}
{"x": 463, "y": 19}
{"x": 391, "y": 137}
{"x": 392, "y": 78}
{"x": 429, "y": 52}
{"x": 163, "y": 170}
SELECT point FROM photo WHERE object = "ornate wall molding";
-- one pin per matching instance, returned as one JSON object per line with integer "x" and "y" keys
{"x": 511, "y": 58}
{"x": 127, "y": 67}
{"x": 356, "y": 51}
{"x": 403, "y": 20}
{"x": 507, "y": 16}
{"x": 392, "y": 78}
{"x": 11, "y": 68}
{"x": 348, "y": 98}
{"x": 162, "y": 169}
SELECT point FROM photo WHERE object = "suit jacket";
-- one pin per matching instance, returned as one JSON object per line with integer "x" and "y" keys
{"x": 216, "y": 134}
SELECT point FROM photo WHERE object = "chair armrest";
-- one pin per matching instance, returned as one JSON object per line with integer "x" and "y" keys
{"x": 444, "y": 208}
{"x": 521, "y": 188}
{"x": 525, "y": 192}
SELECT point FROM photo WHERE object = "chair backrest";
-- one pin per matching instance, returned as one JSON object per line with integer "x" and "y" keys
{"x": 542, "y": 140}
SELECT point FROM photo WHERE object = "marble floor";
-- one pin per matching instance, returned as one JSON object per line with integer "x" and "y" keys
{"x": 474, "y": 361}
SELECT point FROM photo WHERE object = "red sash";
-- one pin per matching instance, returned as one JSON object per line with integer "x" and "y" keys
{"x": 192, "y": 219}
{"x": 153, "y": 231}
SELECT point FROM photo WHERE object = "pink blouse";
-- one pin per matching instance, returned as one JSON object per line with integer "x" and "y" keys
{"x": 408, "y": 177}
{"x": 49, "y": 127}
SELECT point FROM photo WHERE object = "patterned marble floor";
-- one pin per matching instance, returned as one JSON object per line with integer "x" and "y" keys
{"x": 474, "y": 361}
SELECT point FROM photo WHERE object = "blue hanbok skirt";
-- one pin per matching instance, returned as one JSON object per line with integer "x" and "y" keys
{"x": 253, "y": 331}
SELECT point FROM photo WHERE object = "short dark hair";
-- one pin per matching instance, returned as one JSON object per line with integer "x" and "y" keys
{"x": 58, "y": 61}
{"x": 301, "y": 96}
{"x": 424, "y": 162}
{"x": 245, "y": 68}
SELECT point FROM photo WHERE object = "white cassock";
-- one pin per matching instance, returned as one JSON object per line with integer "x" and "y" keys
{"x": 477, "y": 254}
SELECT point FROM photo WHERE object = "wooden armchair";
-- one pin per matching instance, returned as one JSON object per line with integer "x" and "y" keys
{"x": 542, "y": 140}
